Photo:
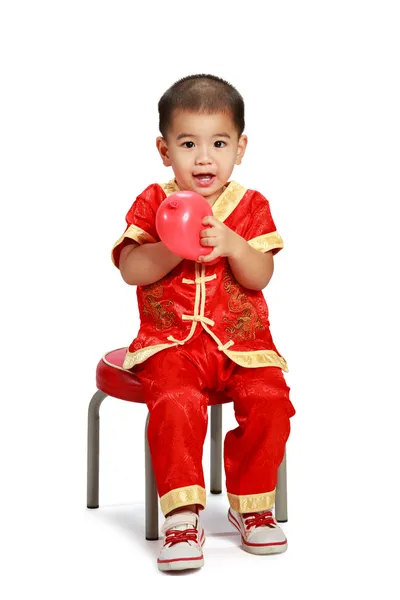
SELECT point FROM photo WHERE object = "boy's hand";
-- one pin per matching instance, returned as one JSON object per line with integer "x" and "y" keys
{"x": 225, "y": 241}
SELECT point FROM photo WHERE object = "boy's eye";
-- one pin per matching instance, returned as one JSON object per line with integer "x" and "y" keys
{"x": 188, "y": 144}
{"x": 220, "y": 144}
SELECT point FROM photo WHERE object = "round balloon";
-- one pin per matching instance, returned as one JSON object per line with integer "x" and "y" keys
{"x": 179, "y": 222}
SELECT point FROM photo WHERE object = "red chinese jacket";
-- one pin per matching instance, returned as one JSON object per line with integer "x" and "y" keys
{"x": 195, "y": 296}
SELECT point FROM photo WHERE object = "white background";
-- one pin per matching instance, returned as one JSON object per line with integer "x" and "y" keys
{"x": 80, "y": 85}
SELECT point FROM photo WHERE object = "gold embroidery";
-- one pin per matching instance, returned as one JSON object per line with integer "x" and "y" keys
{"x": 134, "y": 233}
{"x": 224, "y": 205}
{"x": 139, "y": 356}
{"x": 153, "y": 307}
{"x": 253, "y": 503}
{"x": 267, "y": 242}
{"x": 258, "y": 358}
{"x": 251, "y": 359}
{"x": 192, "y": 494}
{"x": 245, "y": 326}
{"x": 169, "y": 188}
{"x": 228, "y": 200}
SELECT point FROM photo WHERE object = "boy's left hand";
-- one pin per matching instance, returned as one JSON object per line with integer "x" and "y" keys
{"x": 225, "y": 241}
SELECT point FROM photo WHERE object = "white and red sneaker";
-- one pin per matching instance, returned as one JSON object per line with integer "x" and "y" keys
{"x": 183, "y": 541}
{"x": 260, "y": 532}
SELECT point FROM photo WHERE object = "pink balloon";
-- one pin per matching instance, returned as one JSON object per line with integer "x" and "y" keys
{"x": 178, "y": 223}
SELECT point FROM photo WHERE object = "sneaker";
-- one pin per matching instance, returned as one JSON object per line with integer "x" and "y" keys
{"x": 260, "y": 532}
{"x": 183, "y": 541}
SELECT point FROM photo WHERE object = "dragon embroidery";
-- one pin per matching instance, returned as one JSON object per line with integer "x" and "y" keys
{"x": 244, "y": 327}
{"x": 157, "y": 309}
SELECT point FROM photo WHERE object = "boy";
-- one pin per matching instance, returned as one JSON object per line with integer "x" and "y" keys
{"x": 206, "y": 327}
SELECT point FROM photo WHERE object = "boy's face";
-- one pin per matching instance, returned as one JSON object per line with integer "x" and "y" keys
{"x": 202, "y": 150}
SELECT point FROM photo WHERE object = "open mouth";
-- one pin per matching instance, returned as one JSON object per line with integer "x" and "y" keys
{"x": 204, "y": 179}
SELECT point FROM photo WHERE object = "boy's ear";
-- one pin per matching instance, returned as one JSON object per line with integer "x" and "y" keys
{"x": 242, "y": 145}
{"x": 163, "y": 151}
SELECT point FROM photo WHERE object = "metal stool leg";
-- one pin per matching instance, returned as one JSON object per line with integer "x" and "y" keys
{"x": 281, "y": 513}
{"x": 151, "y": 492}
{"x": 216, "y": 449}
{"x": 93, "y": 449}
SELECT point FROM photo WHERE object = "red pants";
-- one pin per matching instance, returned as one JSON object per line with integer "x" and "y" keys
{"x": 174, "y": 383}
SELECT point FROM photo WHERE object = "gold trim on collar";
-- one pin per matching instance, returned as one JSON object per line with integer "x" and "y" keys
{"x": 169, "y": 188}
{"x": 228, "y": 200}
{"x": 252, "y": 503}
{"x": 191, "y": 494}
{"x": 224, "y": 205}
{"x": 266, "y": 242}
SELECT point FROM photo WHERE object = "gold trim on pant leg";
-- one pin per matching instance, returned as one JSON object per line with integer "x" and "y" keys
{"x": 191, "y": 494}
{"x": 253, "y": 502}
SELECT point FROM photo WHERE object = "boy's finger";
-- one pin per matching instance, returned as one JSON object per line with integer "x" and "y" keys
{"x": 209, "y": 257}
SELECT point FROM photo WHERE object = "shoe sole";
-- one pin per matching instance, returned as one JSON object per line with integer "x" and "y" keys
{"x": 179, "y": 564}
{"x": 273, "y": 548}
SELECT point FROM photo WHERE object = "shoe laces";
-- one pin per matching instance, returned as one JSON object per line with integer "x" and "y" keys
{"x": 259, "y": 519}
{"x": 175, "y": 536}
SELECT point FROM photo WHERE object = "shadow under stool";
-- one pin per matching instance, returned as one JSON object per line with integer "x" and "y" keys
{"x": 112, "y": 380}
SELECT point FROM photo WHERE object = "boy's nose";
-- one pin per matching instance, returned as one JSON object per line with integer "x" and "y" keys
{"x": 203, "y": 157}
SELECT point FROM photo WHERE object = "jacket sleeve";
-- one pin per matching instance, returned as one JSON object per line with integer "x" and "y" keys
{"x": 140, "y": 221}
{"x": 262, "y": 234}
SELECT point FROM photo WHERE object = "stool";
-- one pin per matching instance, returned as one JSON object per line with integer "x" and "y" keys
{"x": 113, "y": 380}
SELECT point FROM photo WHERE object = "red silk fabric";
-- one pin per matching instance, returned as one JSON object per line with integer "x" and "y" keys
{"x": 240, "y": 314}
{"x": 175, "y": 385}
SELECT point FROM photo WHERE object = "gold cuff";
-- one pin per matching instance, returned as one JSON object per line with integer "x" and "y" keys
{"x": 191, "y": 494}
{"x": 267, "y": 241}
{"x": 252, "y": 503}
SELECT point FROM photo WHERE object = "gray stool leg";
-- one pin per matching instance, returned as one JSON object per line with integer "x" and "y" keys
{"x": 93, "y": 449}
{"x": 216, "y": 449}
{"x": 281, "y": 513}
{"x": 151, "y": 492}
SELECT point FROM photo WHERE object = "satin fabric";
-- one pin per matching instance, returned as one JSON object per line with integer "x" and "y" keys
{"x": 237, "y": 317}
{"x": 175, "y": 384}
{"x": 199, "y": 330}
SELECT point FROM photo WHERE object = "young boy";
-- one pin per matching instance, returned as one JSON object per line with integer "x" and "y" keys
{"x": 205, "y": 327}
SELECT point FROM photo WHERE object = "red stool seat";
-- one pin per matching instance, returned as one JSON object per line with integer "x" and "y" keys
{"x": 115, "y": 381}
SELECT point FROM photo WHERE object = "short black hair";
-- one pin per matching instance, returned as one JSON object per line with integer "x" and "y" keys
{"x": 201, "y": 93}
